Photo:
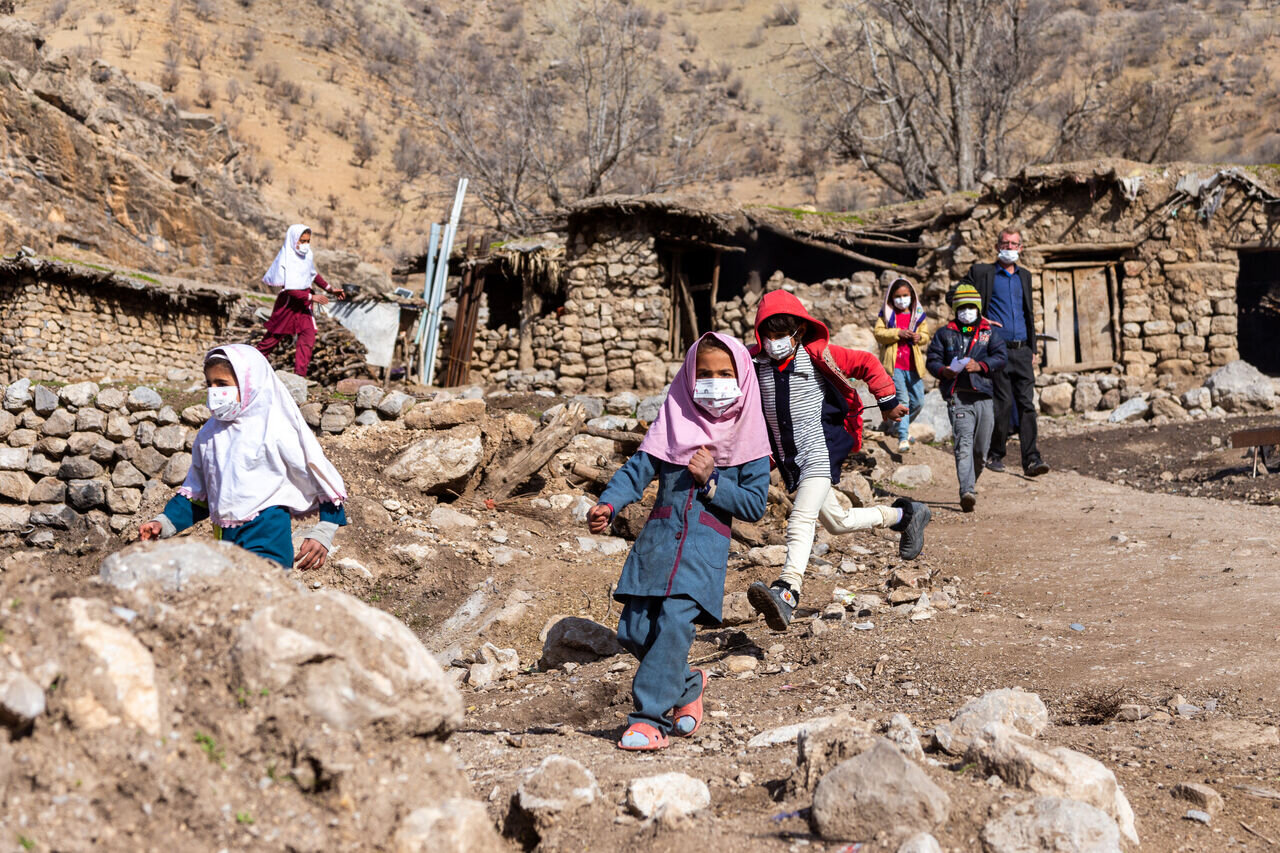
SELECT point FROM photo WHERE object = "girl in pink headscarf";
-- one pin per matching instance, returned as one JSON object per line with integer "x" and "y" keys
{"x": 709, "y": 450}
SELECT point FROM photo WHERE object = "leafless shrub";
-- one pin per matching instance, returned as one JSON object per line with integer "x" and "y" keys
{"x": 250, "y": 43}
{"x": 172, "y": 53}
{"x": 169, "y": 79}
{"x": 104, "y": 20}
{"x": 366, "y": 144}
{"x": 206, "y": 10}
{"x": 1098, "y": 706}
{"x": 268, "y": 74}
{"x": 56, "y": 10}
{"x": 206, "y": 93}
{"x": 128, "y": 42}
{"x": 755, "y": 39}
{"x": 175, "y": 15}
{"x": 291, "y": 91}
{"x": 232, "y": 120}
{"x": 512, "y": 18}
{"x": 129, "y": 7}
{"x": 410, "y": 154}
{"x": 232, "y": 90}
{"x": 783, "y": 15}
{"x": 843, "y": 196}
{"x": 197, "y": 50}
{"x": 334, "y": 73}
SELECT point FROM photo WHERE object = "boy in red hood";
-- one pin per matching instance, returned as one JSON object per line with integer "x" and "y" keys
{"x": 814, "y": 415}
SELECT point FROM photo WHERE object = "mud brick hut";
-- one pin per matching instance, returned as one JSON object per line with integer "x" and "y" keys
{"x": 1138, "y": 269}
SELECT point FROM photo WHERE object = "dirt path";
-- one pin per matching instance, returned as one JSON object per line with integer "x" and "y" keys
{"x": 1175, "y": 595}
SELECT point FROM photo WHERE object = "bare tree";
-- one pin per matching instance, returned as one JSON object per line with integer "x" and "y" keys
{"x": 591, "y": 109}
{"x": 921, "y": 92}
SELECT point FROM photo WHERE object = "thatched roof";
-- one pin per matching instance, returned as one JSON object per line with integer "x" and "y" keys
{"x": 717, "y": 220}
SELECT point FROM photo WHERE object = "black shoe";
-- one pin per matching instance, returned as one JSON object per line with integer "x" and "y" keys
{"x": 915, "y": 516}
{"x": 995, "y": 463}
{"x": 1035, "y": 469}
{"x": 775, "y": 603}
{"x": 968, "y": 501}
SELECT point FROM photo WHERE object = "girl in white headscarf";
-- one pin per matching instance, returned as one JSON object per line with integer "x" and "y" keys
{"x": 293, "y": 270}
{"x": 255, "y": 465}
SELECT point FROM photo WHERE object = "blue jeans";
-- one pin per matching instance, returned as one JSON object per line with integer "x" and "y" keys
{"x": 972, "y": 419}
{"x": 910, "y": 388}
{"x": 659, "y": 632}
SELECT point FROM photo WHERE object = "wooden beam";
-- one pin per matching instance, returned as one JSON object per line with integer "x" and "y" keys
{"x": 1255, "y": 437}
{"x": 1078, "y": 248}
{"x": 1113, "y": 291}
{"x": 1079, "y": 367}
{"x": 546, "y": 443}
{"x": 841, "y": 250}
{"x": 691, "y": 243}
{"x": 620, "y": 436}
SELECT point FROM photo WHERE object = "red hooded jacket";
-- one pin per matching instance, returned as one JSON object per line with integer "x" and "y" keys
{"x": 838, "y": 364}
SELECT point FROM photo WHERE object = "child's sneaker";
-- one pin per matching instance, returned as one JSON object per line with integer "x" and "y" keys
{"x": 775, "y": 603}
{"x": 915, "y": 516}
{"x": 968, "y": 501}
{"x": 904, "y": 446}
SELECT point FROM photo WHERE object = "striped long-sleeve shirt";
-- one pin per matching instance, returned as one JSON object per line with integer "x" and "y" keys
{"x": 805, "y": 417}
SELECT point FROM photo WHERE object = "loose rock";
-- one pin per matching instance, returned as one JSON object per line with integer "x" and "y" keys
{"x": 670, "y": 795}
{"x": 577, "y": 640}
{"x": 1051, "y": 823}
{"x": 878, "y": 791}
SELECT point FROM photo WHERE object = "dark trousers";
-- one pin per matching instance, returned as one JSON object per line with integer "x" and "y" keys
{"x": 1016, "y": 384}
{"x": 659, "y": 632}
{"x": 301, "y": 357}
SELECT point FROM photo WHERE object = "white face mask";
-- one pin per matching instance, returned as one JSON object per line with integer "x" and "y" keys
{"x": 224, "y": 403}
{"x": 304, "y": 248}
{"x": 716, "y": 395}
{"x": 779, "y": 348}
{"x": 967, "y": 316}
{"x": 1008, "y": 256}
{"x": 902, "y": 303}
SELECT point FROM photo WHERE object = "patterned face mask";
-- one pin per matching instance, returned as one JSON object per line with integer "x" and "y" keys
{"x": 716, "y": 395}
{"x": 224, "y": 403}
{"x": 779, "y": 348}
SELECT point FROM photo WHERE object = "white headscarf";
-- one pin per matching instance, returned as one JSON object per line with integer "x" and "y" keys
{"x": 292, "y": 269}
{"x": 267, "y": 456}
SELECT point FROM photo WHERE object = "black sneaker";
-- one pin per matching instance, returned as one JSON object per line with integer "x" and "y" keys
{"x": 968, "y": 501}
{"x": 915, "y": 516}
{"x": 995, "y": 463}
{"x": 1035, "y": 469}
{"x": 775, "y": 603}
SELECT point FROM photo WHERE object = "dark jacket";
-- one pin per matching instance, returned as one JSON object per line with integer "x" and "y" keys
{"x": 683, "y": 549}
{"x": 985, "y": 347}
{"x": 983, "y": 276}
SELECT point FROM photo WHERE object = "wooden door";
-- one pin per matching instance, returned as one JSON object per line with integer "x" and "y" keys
{"x": 1058, "y": 294}
{"x": 1093, "y": 315}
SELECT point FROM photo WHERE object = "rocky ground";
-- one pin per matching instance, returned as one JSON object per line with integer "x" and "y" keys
{"x": 1137, "y": 615}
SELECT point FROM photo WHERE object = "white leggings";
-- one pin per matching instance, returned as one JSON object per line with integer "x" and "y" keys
{"x": 815, "y": 500}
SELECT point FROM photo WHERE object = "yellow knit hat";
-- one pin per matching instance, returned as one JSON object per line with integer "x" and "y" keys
{"x": 966, "y": 294}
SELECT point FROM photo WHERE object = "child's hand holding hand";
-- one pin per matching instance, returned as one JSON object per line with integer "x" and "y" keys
{"x": 701, "y": 465}
{"x": 907, "y": 336}
{"x": 972, "y": 367}
{"x": 150, "y": 530}
{"x": 598, "y": 518}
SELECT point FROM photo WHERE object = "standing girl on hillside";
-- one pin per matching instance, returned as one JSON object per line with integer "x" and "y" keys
{"x": 710, "y": 453}
{"x": 293, "y": 270}
{"x": 903, "y": 336}
{"x": 254, "y": 466}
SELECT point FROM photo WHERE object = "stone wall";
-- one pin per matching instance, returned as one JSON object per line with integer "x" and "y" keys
{"x": 51, "y": 330}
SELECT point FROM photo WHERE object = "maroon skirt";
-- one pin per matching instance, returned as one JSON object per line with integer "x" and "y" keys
{"x": 291, "y": 314}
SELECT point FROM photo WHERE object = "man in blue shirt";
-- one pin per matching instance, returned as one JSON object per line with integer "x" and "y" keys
{"x": 1006, "y": 295}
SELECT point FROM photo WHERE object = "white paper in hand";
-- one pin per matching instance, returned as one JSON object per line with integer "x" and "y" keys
{"x": 957, "y": 364}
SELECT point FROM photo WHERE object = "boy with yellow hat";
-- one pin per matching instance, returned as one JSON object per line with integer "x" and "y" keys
{"x": 963, "y": 355}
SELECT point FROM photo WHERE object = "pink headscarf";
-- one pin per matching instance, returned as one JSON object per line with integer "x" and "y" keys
{"x": 737, "y": 436}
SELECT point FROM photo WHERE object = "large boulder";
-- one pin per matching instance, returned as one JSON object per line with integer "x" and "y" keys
{"x": 669, "y": 795}
{"x": 577, "y": 640}
{"x": 123, "y": 689}
{"x": 821, "y": 746}
{"x": 440, "y": 462}
{"x": 349, "y": 664}
{"x": 1051, "y": 824}
{"x": 555, "y": 787}
{"x": 296, "y": 385}
{"x": 1056, "y": 399}
{"x": 445, "y": 414}
{"x": 454, "y": 825}
{"x": 934, "y": 413}
{"x": 1010, "y": 706}
{"x": 879, "y": 793}
{"x": 1238, "y": 386}
{"x": 1055, "y": 772}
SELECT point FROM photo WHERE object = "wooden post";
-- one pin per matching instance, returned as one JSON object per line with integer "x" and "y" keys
{"x": 715, "y": 290}
{"x": 456, "y": 353}
{"x": 473, "y": 312}
{"x": 1114, "y": 293}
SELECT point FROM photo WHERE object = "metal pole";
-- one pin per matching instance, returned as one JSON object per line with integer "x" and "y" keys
{"x": 442, "y": 275}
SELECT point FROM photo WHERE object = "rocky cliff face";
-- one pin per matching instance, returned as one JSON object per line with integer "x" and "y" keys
{"x": 94, "y": 162}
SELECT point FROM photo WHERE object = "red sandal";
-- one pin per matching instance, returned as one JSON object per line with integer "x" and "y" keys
{"x": 693, "y": 709}
{"x": 653, "y": 739}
